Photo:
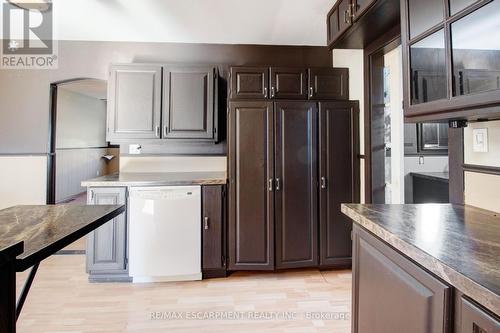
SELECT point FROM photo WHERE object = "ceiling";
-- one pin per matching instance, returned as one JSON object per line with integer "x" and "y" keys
{"x": 279, "y": 22}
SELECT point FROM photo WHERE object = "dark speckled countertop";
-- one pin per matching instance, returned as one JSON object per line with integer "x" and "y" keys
{"x": 459, "y": 244}
{"x": 440, "y": 176}
{"x": 47, "y": 229}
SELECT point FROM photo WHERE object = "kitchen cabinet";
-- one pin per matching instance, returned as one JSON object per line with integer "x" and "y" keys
{"x": 251, "y": 174}
{"x": 296, "y": 184}
{"x": 392, "y": 294}
{"x": 107, "y": 246}
{"x": 134, "y": 102}
{"x": 189, "y": 103}
{"x": 338, "y": 141}
{"x": 258, "y": 83}
{"x": 274, "y": 186}
{"x": 249, "y": 83}
{"x": 288, "y": 83}
{"x": 163, "y": 102}
{"x": 213, "y": 231}
{"x": 473, "y": 319}
{"x": 329, "y": 83}
{"x": 446, "y": 73}
{"x": 355, "y": 24}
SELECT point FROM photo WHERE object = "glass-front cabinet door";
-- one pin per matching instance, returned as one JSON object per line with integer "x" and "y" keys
{"x": 476, "y": 51}
{"x": 451, "y": 57}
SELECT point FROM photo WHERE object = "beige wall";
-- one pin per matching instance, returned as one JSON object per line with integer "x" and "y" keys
{"x": 481, "y": 190}
{"x": 23, "y": 180}
{"x": 353, "y": 59}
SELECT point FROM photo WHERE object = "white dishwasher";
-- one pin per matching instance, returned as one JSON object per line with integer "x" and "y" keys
{"x": 165, "y": 233}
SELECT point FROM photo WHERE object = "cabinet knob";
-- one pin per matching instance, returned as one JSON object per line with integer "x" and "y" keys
{"x": 272, "y": 92}
{"x": 311, "y": 92}
{"x": 205, "y": 224}
{"x": 265, "y": 92}
{"x": 278, "y": 184}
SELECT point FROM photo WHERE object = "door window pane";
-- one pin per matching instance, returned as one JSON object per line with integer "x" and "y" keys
{"x": 476, "y": 51}
{"x": 424, "y": 14}
{"x": 458, "y": 5}
{"x": 428, "y": 69}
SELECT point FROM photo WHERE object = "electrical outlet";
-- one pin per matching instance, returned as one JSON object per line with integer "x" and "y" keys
{"x": 134, "y": 149}
{"x": 480, "y": 140}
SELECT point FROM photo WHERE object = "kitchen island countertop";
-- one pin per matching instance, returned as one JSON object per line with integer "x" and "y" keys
{"x": 459, "y": 244}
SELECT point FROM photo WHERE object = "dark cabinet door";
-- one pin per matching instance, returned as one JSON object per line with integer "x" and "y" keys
{"x": 332, "y": 22}
{"x": 473, "y": 319}
{"x": 249, "y": 83}
{"x": 360, "y": 7}
{"x": 288, "y": 83}
{"x": 345, "y": 21}
{"x": 339, "y": 178}
{"x": 212, "y": 227}
{"x": 251, "y": 195}
{"x": 329, "y": 83}
{"x": 296, "y": 184}
{"x": 392, "y": 294}
{"x": 134, "y": 102}
{"x": 188, "y": 103}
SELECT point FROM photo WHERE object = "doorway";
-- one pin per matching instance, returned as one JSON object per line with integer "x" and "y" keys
{"x": 385, "y": 120}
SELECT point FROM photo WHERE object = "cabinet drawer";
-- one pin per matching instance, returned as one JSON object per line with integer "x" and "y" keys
{"x": 249, "y": 82}
{"x": 475, "y": 320}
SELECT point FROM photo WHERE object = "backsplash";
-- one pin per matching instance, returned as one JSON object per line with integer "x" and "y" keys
{"x": 481, "y": 190}
{"x": 154, "y": 164}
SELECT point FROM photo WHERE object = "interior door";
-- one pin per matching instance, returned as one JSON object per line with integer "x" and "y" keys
{"x": 188, "y": 103}
{"x": 296, "y": 184}
{"x": 134, "y": 102}
{"x": 288, "y": 83}
{"x": 251, "y": 198}
{"x": 249, "y": 83}
{"x": 339, "y": 178}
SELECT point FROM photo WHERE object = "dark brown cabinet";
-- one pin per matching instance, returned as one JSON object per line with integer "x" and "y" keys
{"x": 189, "y": 103}
{"x": 249, "y": 83}
{"x": 473, "y": 319}
{"x": 329, "y": 83}
{"x": 251, "y": 197}
{"x": 338, "y": 141}
{"x": 288, "y": 83}
{"x": 296, "y": 184}
{"x": 361, "y": 6}
{"x": 213, "y": 230}
{"x": 392, "y": 294}
{"x": 446, "y": 73}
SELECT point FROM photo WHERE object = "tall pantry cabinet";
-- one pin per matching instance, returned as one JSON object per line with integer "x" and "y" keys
{"x": 292, "y": 161}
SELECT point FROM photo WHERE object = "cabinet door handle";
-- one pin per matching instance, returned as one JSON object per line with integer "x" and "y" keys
{"x": 265, "y": 92}
{"x": 278, "y": 184}
{"x": 270, "y": 188}
{"x": 346, "y": 16}
{"x": 272, "y": 92}
{"x": 323, "y": 183}
{"x": 311, "y": 92}
{"x": 165, "y": 131}
{"x": 157, "y": 130}
{"x": 205, "y": 223}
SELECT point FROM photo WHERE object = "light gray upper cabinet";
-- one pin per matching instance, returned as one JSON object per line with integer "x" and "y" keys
{"x": 189, "y": 97}
{"x": 134, "y": 102}
{"x": 107, "y": 245}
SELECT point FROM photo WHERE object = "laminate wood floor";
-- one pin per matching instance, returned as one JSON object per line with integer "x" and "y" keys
{"x": 299, "y": 301}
